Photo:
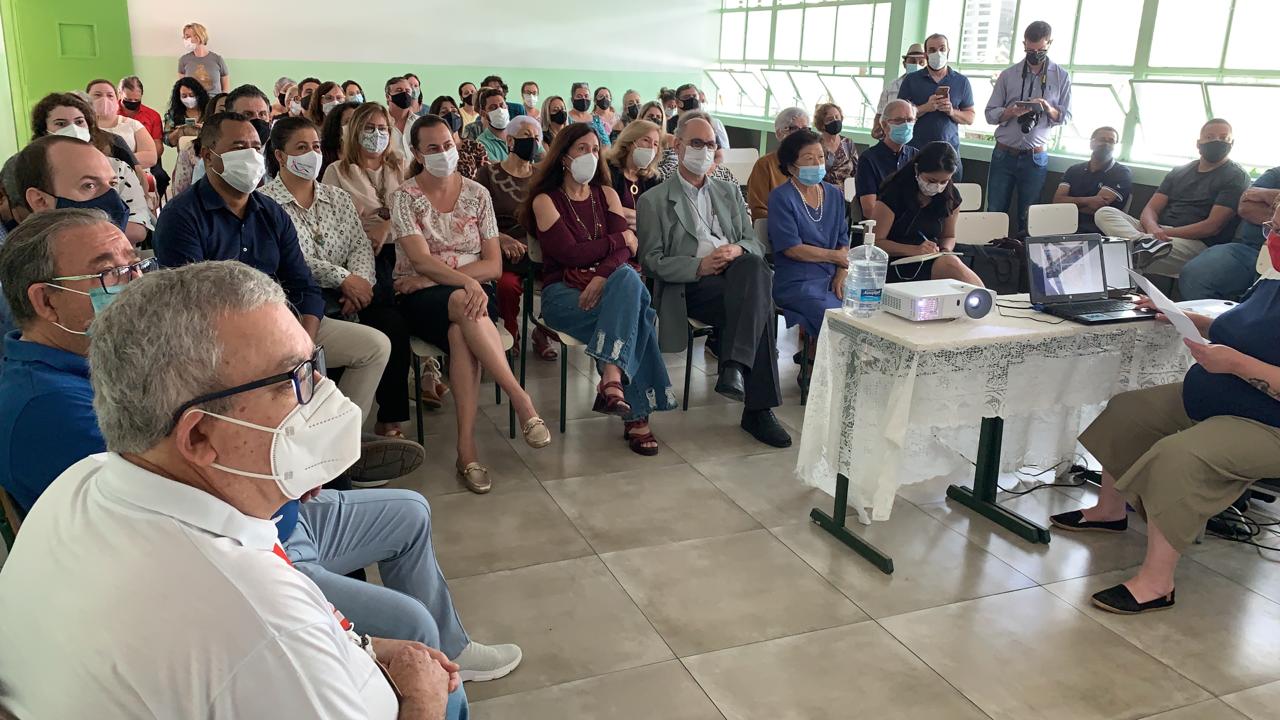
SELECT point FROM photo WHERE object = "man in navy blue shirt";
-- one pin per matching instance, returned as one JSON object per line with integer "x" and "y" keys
{"x": 940, "y": 112}
{"x": 1226, "y": 271}
{"x": 897, "y": 124}
{"x": 222, "y": 218}
{"x": 1100, "y": 182}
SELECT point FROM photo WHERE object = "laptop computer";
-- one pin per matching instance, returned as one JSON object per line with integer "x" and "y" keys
{"x": 1068, "y": 278}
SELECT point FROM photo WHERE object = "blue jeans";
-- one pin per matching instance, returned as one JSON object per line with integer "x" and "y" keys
{"x": 620, "y": 331}
{"x": 1222, "y": 272}
{"x": 1025, "y": 173}
{"x": 338, "y": 532}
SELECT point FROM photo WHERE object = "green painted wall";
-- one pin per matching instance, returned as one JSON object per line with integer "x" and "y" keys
{"x": 159, "y": 74}
{"x": 8, "y": 131}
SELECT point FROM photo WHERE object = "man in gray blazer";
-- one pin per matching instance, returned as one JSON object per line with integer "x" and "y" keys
{"x": 697, "y": 243}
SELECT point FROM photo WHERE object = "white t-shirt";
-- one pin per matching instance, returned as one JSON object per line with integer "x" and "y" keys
{"x": 132, "y": 595}
{"x": 126, "y": 129}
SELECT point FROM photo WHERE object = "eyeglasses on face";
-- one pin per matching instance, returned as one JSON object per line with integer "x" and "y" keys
{"x": 302, "y": 376}
{"x": 114, "y": 279}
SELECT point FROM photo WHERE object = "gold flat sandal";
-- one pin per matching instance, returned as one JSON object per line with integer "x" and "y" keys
{"x": 536, "y": 433}
{"x": 476, "y": 477}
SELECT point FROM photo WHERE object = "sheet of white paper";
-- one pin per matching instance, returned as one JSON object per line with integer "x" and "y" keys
{"x": 1181, "y": 322}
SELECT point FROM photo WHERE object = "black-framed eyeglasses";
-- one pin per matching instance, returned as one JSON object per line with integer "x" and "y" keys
{"x": 700, "y": 144}
{"x": 303, "y": 376}
{"x": 114, "y": 279}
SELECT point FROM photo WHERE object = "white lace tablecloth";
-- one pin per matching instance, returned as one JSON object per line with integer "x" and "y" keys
{"x": 893, "y": 402}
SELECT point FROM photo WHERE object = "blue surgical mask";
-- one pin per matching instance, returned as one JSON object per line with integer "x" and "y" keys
{"x": 811, "y": 174}
{"x": 100, "y": 299}
{"x": 903, "y": 133}
{"x": 108, "y": 202}
{"x": 198, "y": 171}
{"x": 356, "y": 98}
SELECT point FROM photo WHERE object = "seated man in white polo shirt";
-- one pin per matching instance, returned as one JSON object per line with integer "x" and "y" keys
{"x": 148, "y": 581}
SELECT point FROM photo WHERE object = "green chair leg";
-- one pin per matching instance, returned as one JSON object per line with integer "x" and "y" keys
{"x": 688, "y": 367}
{"x": 511, "y": 407}
{"x": 564, "y": 382}
{"x": 417, "y": 395}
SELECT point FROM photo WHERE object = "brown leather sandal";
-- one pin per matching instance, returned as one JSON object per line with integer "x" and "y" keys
{"x": 638, "y": 442}
{"x": 611, "y": 404}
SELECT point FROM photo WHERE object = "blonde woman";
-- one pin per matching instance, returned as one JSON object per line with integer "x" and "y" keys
{"x": 207, "y": 67}
{"x": 555, "y": 115}
{"x": 633, "y": 164}
{"x": 842, "y": 157}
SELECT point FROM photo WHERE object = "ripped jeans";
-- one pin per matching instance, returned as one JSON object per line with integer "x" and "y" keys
{"x": 620, "y": 331}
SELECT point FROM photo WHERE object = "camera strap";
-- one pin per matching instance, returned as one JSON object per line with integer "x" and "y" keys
{"x": 1026, "y": 92}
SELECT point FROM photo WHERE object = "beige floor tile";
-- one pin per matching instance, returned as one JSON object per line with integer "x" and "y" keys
{"x": 1029, "y": 654}
{"x": 663, "y": 691}
{"x": 853, "y": 671}
{"x": 570, "y": 619}
{"x": 1213, "y": 709}
{"x": 765, "y": 485}
{"x": 477, "y": 534}
{"x": 1260, "y": 703}
{"x": 1220, "y": 635}
{"x": 545, "y": 392}
{"x": 710, "y": 433}
{"x": 1068, "y": 555}
{"x": 932, "y": 564}
{"x": 594, "y": 446}
{"x": 711, "y": 594}
{"x": 1242, "y": 563}
{"x": 640, "y": 508}
{"x": 438, "y": 475}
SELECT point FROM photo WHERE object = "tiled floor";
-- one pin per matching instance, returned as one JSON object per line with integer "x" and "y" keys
{"x": 691, "y": 586}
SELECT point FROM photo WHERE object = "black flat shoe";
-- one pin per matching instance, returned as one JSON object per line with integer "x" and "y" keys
{"x": 1075, "y": 522}
{"x": 1120, "y": 601}
{"x": 763, "y": 425}
{"x": 731, "y": 382}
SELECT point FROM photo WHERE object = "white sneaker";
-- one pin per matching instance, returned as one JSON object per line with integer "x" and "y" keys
{"x": 480, "y": 663}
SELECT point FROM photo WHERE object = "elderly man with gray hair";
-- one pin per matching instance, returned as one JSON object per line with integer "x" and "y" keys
{"x": 696, "y": 242}
{"x": 148, "y": 580}
{"x": 765, "y": 174}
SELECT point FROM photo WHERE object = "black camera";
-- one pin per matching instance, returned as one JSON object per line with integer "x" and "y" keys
{"x": 1028, "y": 120}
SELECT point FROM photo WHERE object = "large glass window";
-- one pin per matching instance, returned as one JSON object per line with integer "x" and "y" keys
{"x": 1190, "y": 33}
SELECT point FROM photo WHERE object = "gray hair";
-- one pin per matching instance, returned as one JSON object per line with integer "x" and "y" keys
{"x": 689, "y": 117}
{"x": 785, "y": 118}
{"x": 132, "y": 82}
{"x": 156, "y": 347}
{"x": 27, "y": 257}
{"x": 283, "y": 82}
{"x": 898, "y": 103}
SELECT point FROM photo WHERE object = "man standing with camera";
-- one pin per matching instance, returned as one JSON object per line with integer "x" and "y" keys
{"x": 1029, "y": 99}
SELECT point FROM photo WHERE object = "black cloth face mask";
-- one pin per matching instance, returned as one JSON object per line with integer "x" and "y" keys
{"x": 581, "y": 104}
{"x": 402, "y": 100}
{"x": 524, "y": 148}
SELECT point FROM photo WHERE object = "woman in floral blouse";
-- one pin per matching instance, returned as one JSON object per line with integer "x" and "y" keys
{"x": 841, "y": 155}
{"x": 447, "y": 245}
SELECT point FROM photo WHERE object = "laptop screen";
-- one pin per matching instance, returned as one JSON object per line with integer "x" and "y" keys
{"x": 1065, "y": 268}
{"x": 1116, "y": 264}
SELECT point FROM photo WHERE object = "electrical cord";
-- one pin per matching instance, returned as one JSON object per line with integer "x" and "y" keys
{"x": 1031, "y": 475}
{"x": 1246, "y": 533}
{"x": 1000, "y": 308}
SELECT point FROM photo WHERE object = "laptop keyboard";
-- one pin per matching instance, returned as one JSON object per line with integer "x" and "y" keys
{"x": 1101, "y": 306}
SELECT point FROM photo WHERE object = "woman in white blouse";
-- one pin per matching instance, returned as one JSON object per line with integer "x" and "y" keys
{"x": 447, "y": 246}
{"x": 106, "y": 105}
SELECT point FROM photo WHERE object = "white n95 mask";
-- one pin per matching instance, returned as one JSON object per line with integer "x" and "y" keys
{"x": 583, "y": 168}
{"x": 312, "y": 445}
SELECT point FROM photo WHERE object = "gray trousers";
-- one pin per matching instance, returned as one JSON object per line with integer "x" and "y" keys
{"x": 739, "y": 304}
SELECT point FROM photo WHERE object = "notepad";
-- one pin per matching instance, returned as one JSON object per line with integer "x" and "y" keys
{"x": 1181, "y": 322}
{"x": 922, "y": 258}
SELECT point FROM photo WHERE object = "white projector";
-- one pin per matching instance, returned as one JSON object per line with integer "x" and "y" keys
{"x": 936, "y": 300}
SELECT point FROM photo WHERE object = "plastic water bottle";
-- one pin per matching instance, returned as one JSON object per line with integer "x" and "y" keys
{"x": 868, "y": 266}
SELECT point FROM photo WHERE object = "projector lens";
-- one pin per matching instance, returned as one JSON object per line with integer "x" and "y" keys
{"x": 977, "y": 303}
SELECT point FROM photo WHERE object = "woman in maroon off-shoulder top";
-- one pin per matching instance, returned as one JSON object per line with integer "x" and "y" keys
{"x": 591, "y": 289}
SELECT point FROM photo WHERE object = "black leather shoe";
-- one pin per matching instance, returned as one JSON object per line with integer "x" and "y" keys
{"x": 731, "y": 383}
{"x": 1075, "y": 522}
{"x": 764, "y": 426}
{"x": 1119, "y": 600}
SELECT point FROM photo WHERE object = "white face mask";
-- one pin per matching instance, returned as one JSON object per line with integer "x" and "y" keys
{"x": 241, "y": 169}
{"x": 312, "y": 445}
{"x": 327, "y": 107}
{"x": 189, "y": 44}
{"x": 375, "y": 141}
{"x": 295, "y": 108}
{"x": 937, "y": 60}
{"x": 642, "y": 156}
{"x": 583, "y": 168}
{"x": 190, "y": 101}
{"x": 306, "y": 165}
{"x": 499, "y": 118}
{"x": 698, "y": 162}
{"x": 929, "y": 188}
{"x": 530, "y": 99}
{"x": 441, "y": 164}
{"x": 80, "y": 132}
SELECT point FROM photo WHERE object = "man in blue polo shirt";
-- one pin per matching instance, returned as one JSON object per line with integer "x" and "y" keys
{"x": 222, "y": 218}
{"x": 1226, "y": 271}
{"x": 897, "y": 125}
{"x": 59, "y": 268}
{"x": 1029, "y": 100}
{"x": 940, "y": 112}
{"x": 1100, "y": 182}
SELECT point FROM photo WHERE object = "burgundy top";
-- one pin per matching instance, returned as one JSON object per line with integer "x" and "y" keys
{"x": 585, "y": 235}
